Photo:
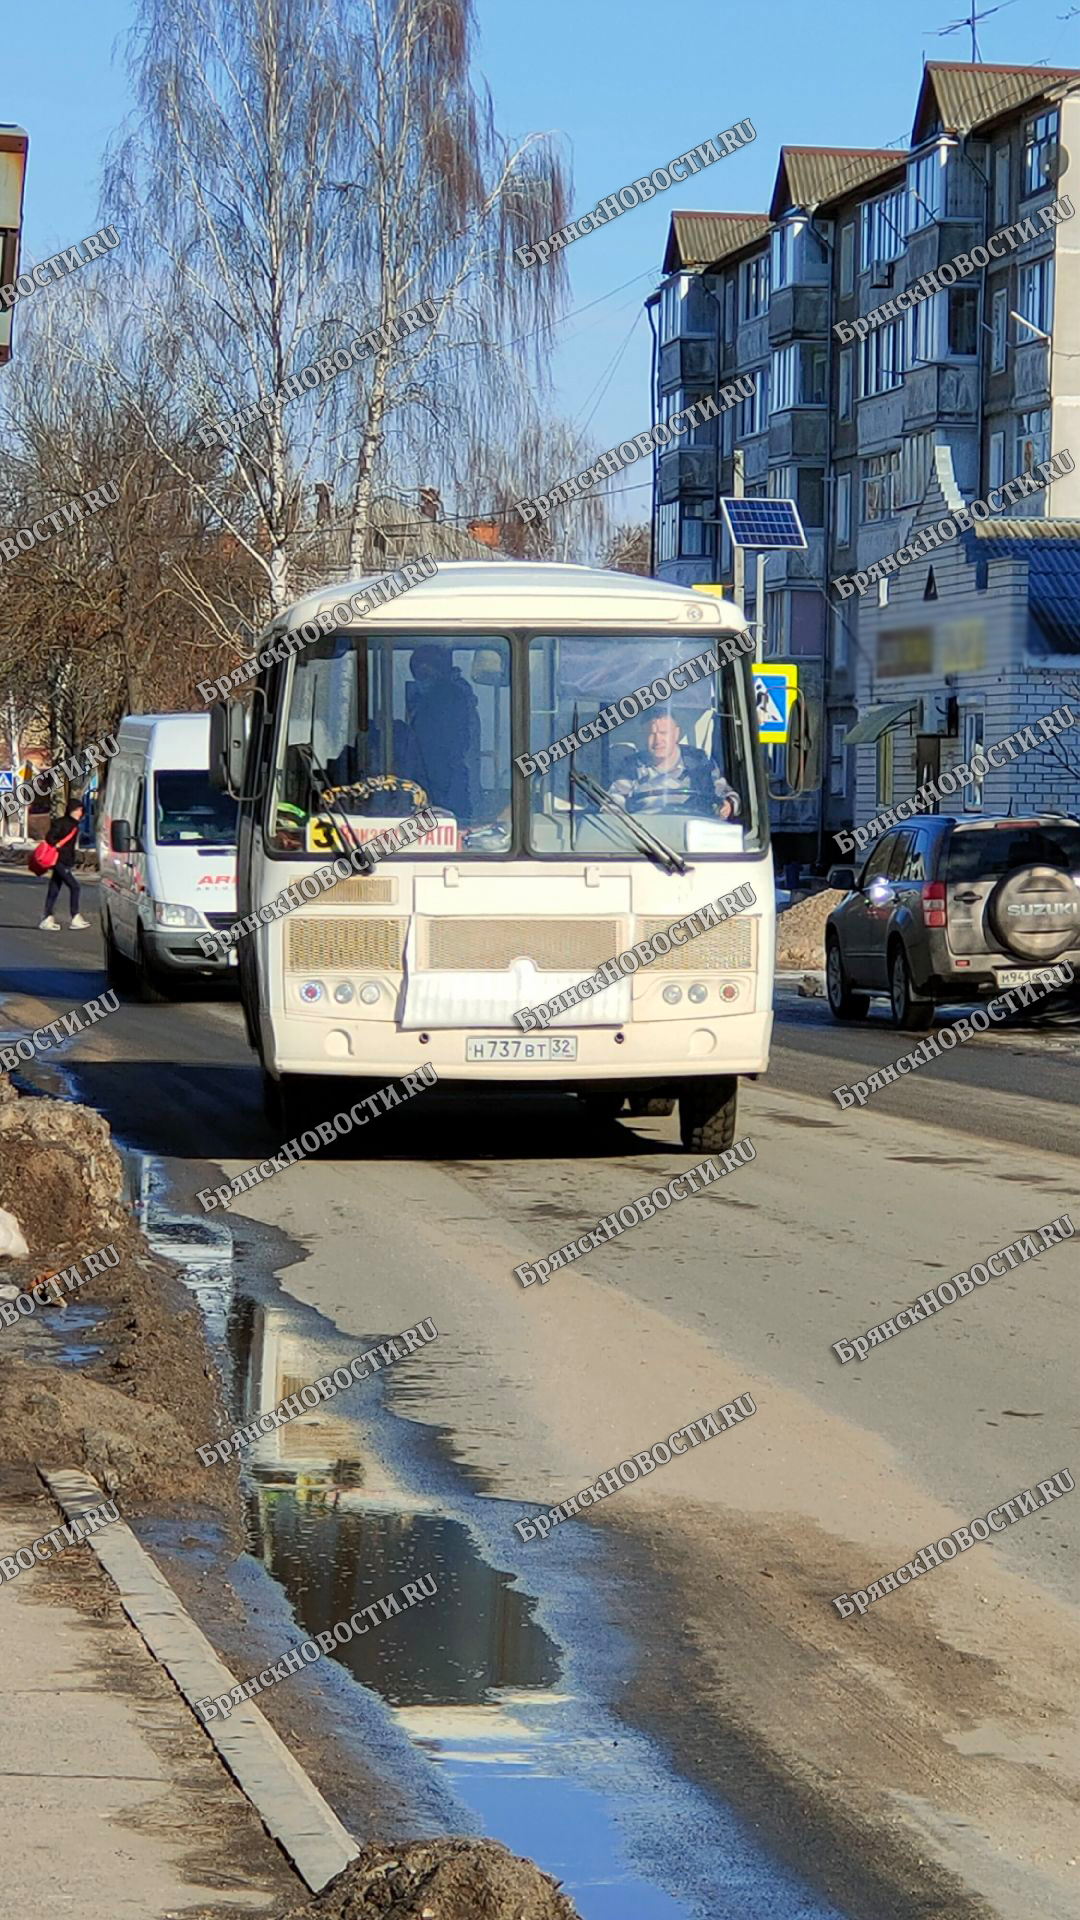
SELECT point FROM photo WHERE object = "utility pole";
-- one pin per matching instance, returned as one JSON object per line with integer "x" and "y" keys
{"x": 738, "y": 564}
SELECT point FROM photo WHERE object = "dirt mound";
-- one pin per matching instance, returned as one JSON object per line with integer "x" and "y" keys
{"x": 438, "y": 1880}
{"x": 800, "y": 931}
{"x": 134, "y": 1415}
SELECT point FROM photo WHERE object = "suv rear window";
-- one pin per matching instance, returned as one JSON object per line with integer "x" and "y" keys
{"x": 991, "y": 852}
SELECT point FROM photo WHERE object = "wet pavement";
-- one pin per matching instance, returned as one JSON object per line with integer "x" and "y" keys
{"x": 498, "y": 1688}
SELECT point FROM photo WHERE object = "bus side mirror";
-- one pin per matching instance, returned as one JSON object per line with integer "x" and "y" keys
{"x": 120, "y": 836}
{"x": 228, "y": 746}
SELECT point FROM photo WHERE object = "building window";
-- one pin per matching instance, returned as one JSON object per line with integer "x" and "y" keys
{"x": 754, "y": 288}
{"x": 924, "y": 330}
{"x": 883, "y": 234}
{"x": 783, "y": 254}
{"x": 880, "y": 477}
{"x": 837, "y": 757}
{"x": 926, "y": 189}
{"x": 845, "y": 386}
{"x": 973, "y": 739}
{"x": 667, "y": 533}
{"x": 811, "y": 496}
{"x": 847, "y": 258}
{"x": 916, "y": 456}
{"x": 799, "y": 377}
{"x": 963, "y": 322}
{"x": 839, "y": 642}
{"x": 796, "y": 247}
{"x": 996, "y": 468}
{"x": 672, "y": 302}
{"x": 843, "y": 510}
{"x": 1001, "y": 186}
{"x": 1036, "y": 296}
{"x": 1040, "y": 136}
{"x": 780, "y": 483}
{"x": 751, "y": 414}
{"x": 883, "y": 358}
{"x": 695, "y": 537}
{"x": 999, "y": 329}
{"x": 1032, "y": 440}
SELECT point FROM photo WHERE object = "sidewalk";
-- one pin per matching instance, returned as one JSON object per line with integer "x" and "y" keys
{"x": 115, "y": 1804}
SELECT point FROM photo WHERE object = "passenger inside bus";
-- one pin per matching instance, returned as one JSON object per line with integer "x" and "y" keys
{"x": 443, "y": 730}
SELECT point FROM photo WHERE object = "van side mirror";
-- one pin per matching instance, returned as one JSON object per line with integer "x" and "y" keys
{"x": 228, "y": 746}
{"x": 120, "y": 836}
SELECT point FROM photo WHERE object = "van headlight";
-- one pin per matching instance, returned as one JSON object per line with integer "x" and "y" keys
{"x": 167, "y": 916}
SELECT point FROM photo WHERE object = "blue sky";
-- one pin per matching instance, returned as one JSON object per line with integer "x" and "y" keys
{"x": 623, "y": 84}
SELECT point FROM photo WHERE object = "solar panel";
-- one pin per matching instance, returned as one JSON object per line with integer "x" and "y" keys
{"x": 763, "y": 523}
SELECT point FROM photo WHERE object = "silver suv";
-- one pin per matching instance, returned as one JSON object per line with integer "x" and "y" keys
{"x": 947, "y": 910}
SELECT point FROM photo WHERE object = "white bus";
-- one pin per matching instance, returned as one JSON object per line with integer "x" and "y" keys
{"x": 527, "y": 882}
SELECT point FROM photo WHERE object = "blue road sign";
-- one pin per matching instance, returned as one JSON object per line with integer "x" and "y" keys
{"x": 7, "y": 779}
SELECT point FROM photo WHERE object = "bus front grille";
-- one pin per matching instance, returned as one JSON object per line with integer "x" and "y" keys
{"x": 723, "y": 949}
{"x": 378, "y": 891}
{"x": 359, "y": 944}
{"x": 491, "y": 946}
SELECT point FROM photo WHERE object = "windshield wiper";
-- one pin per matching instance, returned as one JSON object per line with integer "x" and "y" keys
{"x": 657, "y": 850}
{"x": 319, "y": 782}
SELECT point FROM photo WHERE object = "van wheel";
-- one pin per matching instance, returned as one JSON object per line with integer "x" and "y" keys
{"x": 150, "y": 989}
{"x": 911, "y": 1013}
{"x": 707, "y": 1113}
{"x": 117, "y": 969}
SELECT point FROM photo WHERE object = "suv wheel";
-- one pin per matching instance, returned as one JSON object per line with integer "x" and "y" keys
{"x": 909, "y": 1011}
{"x": 844, "y": 1002}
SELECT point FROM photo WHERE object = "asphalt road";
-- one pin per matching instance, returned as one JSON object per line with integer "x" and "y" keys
{"x": 923, "y": 1759}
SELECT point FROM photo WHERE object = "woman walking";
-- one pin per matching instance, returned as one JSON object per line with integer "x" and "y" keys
{"x": 63, "y": 835}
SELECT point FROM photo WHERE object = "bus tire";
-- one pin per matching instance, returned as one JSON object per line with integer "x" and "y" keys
{"x": 652, "y": 1106}
{"x": 707, "y": 1113}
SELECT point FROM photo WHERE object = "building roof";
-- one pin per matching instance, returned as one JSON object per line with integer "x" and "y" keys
{"x": 1051, "y": 549}
{"x": 959, "y": 97}
{"x": 810, "y": 176}
{"x": 701, "y": 239}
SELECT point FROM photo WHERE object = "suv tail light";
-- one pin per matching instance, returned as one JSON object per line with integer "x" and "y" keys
{"x": 934, "y": 914}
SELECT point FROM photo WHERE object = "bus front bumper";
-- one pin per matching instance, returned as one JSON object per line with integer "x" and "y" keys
{"x": 645, "y": 1050}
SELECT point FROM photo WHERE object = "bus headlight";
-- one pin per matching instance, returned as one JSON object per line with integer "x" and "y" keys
{"x": 672, "y": 995}
{"x": 697, "y": 993}
{"x": 369, "y": 994}
{"x": 343, "y": 992}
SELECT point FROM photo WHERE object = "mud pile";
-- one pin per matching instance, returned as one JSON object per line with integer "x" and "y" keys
{"x": 438, "y": 1880}
{"x": 800, "y": 931}
{"x": 134, "y": 1417}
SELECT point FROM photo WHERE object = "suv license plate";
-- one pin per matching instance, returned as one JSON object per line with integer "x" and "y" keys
{"x": 548, "y": 1046}
{"x": 1018, "y": 976}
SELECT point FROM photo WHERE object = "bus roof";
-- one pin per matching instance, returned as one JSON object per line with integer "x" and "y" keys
{"x": 471, "y": 596}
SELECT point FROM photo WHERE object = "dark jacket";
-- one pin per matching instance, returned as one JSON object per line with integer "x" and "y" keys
{"x": 60, "y": 830}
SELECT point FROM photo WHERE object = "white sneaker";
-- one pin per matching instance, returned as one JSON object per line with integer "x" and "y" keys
{"x": 49, "y": 925}
{"x": 78, "y": 924}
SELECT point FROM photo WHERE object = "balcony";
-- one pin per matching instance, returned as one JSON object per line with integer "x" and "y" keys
{"x": 688, "y": 362}
{"x": 799, "y": 433}
{"x": 687, "y": 473}
{"x": 940, "y": 392}
{"x": 798, "y": 313}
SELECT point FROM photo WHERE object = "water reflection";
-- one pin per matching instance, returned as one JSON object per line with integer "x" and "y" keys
{"x": 475, "y": 1636}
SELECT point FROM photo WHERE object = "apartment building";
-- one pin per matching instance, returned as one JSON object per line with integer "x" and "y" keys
{"x": 862, "y": 383}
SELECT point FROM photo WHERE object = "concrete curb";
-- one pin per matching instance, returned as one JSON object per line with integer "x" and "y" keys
{"x": 286, "y": 1800}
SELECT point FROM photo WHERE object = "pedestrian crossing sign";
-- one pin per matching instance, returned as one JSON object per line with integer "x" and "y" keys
{"x": 775, "y": 687}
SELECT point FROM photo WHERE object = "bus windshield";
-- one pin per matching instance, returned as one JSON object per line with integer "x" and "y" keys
{"x": 381, "y": 725}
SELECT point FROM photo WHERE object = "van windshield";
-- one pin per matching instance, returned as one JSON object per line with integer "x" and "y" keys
{"x": 188, "y": 811}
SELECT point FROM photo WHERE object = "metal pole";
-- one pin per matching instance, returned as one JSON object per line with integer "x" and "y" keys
{"x": 759, "y": 599}
{"x": 738, "y": 564}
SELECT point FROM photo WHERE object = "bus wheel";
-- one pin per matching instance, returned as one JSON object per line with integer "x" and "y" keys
{"x": 603, "y": 1108}
{"x": 654, "y": 1106}
{"x": 707, "y": 1112}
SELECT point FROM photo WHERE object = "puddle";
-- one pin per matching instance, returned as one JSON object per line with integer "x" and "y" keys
{"x": 494, "y": 1688}
{"x": 54, "y": 1338}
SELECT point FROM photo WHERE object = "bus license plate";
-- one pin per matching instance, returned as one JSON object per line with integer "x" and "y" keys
{"x": 547, "y": 1046}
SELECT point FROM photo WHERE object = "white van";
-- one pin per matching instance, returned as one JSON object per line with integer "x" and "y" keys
{"x": 167, "y": 853}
